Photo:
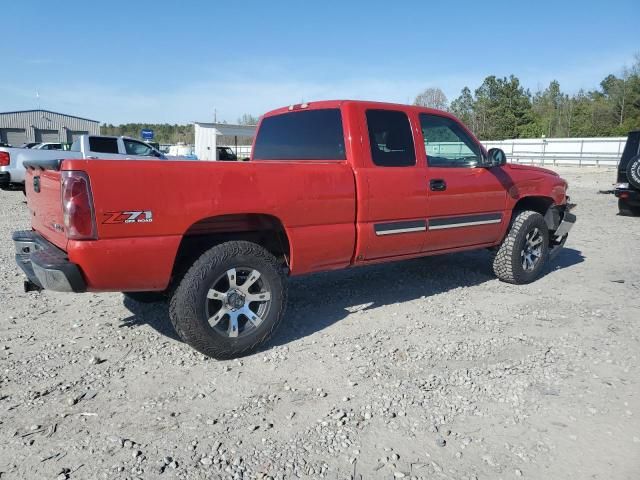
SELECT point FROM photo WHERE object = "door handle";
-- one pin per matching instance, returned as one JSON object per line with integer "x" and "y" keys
{"x": 437, "y": 185}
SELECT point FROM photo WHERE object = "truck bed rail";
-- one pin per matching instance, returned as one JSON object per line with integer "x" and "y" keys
{"x": 44, "y": 164}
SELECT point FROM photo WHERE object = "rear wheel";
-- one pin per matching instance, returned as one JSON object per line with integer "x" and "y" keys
{"x": 524, "y": 251}
{"x": 627, "y": 210}
{"x": 230, "y": 301}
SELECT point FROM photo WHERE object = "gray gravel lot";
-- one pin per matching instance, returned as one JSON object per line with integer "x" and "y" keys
{"x": 427, "y": 368}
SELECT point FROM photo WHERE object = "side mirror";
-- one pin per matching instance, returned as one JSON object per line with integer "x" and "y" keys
{"x": 495, "y": 158}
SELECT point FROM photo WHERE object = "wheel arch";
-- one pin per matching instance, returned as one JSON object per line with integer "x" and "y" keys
{"x": 537, "y": 203}
{"x": 541, "y": 204}
{"x": 265, "y": 230}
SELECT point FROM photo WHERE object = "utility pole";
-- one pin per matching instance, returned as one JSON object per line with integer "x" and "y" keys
{"x": 215, "y": 115}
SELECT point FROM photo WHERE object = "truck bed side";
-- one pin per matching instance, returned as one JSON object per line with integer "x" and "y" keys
{"x": 314, "y": 201}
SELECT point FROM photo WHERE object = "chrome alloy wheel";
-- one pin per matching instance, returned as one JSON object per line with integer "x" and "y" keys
{"x": 238, "y": 302}
{"x": 532, "y": 250}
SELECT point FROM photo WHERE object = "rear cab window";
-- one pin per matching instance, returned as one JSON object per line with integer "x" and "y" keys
{"x": 302, "y": 135}
{"x": 103, "y": 145}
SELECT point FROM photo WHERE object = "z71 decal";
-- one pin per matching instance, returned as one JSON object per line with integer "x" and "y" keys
{"x": 139, "y": 216}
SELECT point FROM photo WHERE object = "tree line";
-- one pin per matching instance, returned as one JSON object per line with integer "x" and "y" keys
{"x": 501, "y": 108}
{"x": 165, "y": 133}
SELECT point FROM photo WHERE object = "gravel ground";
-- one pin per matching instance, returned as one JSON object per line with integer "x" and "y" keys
{"x": 427, "y": 368}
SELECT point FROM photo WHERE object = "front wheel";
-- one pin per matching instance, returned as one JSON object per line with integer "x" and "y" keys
{"x": 230, "y": 301}
{"x": 524, "y": 251}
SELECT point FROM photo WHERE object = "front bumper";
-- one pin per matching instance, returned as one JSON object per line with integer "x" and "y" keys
{"x": 560, "y": 220}
{"x": 566, "y": 224}
{"x": 45, "y": 265}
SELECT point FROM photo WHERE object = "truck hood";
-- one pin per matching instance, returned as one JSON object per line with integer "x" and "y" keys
{"x": 531, "y": 168}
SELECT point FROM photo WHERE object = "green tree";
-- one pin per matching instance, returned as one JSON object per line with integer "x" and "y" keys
{"x": 463, "y": 107}
{"x": 164, "y": 132}
{"x": 502, "y": 108}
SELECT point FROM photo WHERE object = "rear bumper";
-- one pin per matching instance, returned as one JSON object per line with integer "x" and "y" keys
{"x": 629, "y": 195}
{"x": 45, "y": 265}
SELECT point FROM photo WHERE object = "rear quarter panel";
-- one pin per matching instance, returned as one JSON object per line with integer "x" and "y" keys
{"x": 315, "y": 201}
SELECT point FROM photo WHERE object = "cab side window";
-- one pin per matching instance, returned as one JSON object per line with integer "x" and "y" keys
{"x": 133, "y": 147}
{"x": 390, "y": 138}
{"x": 447, "y": 144}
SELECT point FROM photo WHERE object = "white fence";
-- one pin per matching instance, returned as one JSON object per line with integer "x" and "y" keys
{"x": 599, "y": 152}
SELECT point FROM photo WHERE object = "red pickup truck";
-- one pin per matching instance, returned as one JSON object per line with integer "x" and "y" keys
{"x": 330, "y": 185}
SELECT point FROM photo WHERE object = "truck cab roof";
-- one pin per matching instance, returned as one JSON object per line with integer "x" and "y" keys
{"x": 367, "y": 103}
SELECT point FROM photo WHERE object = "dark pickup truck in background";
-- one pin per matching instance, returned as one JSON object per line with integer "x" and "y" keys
{"x": 627, "y": 187}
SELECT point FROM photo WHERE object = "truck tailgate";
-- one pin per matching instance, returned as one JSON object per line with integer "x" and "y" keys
{"x": 43, "y": 189}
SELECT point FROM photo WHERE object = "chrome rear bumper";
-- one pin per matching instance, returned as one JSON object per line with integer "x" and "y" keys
{"x": 45, "y": 265}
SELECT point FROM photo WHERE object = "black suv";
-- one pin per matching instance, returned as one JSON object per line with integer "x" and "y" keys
{"x": 628, "y": 184}
{"x": 225, "y": 153}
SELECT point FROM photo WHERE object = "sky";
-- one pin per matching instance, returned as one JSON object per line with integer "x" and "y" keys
{"x": 179, "y": 62}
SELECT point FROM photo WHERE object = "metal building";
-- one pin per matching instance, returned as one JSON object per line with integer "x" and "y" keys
{"x": 17, "y": 128}
{"x": 206, "y": 135}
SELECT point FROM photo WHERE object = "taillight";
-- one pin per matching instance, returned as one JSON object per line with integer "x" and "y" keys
{"x": 77, "y": 206}
{"x": 5, "y": 159}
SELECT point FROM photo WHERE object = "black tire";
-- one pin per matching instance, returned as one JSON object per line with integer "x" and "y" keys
{"x": 145, "y": 297}
{"x": 627, "y": 210}
{"x": 509, "y": 258}
{"x": 190, "y": 303}
{"x": 633, "y": 172}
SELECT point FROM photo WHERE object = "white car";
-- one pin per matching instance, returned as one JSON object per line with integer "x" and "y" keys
{"x": 12, "y": 160}
{"x": 48, "y": 146}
